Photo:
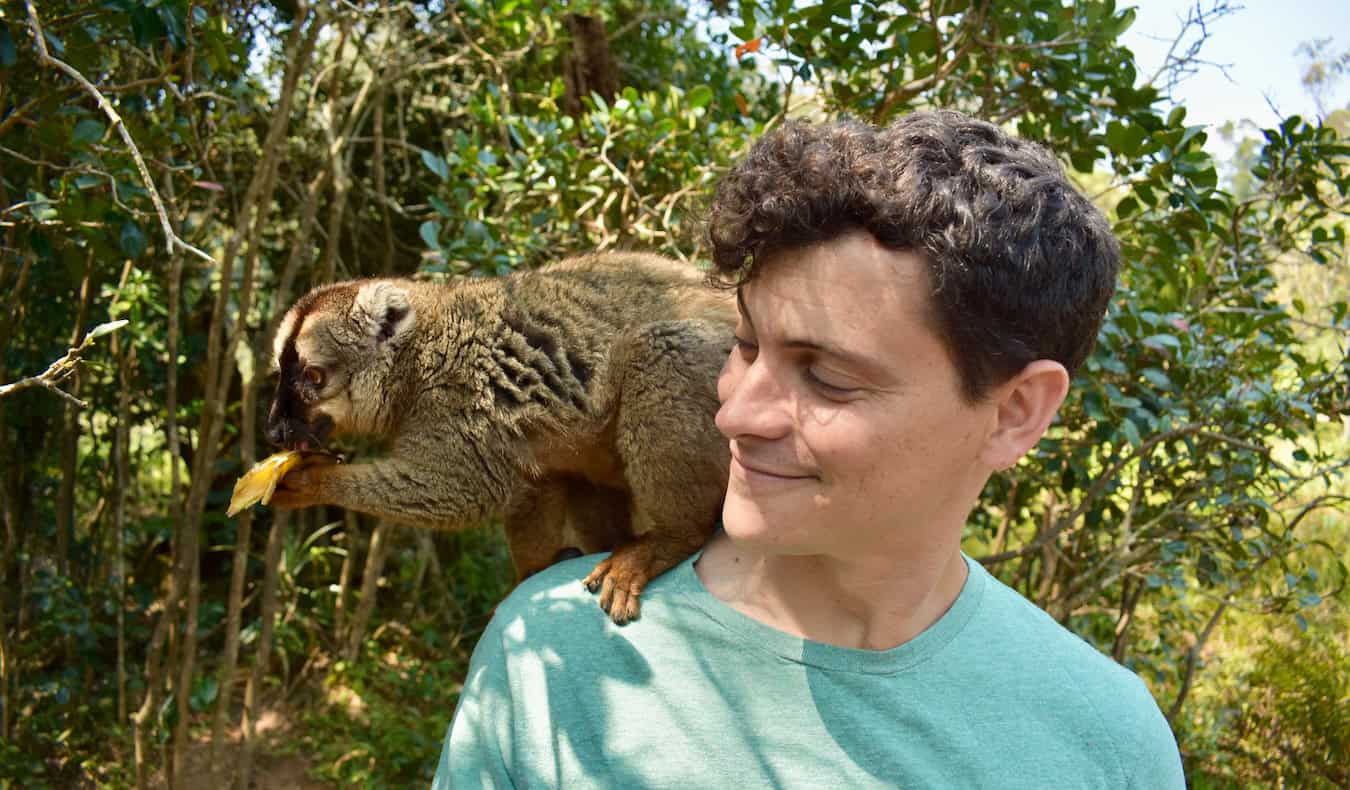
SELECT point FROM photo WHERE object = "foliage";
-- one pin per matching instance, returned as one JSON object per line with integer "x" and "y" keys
{"x": 1279, "y": 715}
{"x": 1191, "y": 474}
{"x": 1299, "y": 710}
{"x": 382, "y": 718}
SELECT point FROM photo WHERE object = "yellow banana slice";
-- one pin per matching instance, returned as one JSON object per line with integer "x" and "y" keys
{"x": 259, "y": 483}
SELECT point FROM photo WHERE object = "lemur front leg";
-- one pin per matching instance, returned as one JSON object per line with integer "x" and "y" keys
{"x": 438, "y": 495}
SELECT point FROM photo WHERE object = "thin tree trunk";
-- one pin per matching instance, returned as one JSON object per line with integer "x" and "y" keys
{"x": 425, "y": 556}
{"x": 337, "y": 205}
{"x": 1129, "y": 598}
{"x": 370, "y": 584}
{"x": 352, "y": 537}
{"x": 4, "y": 668}
{"x": 10, "y": 500}
{"x": 258, "y": 197}
{"x": 229, "y": 661}
{"x": 381, "y": 188}
{"x": 248, "y": 454}
{"x": 154, "y": 681}
{"x": 1192, "y": 660}
{"x": 427, "y": 545}
{"x": 187, "y": 653}
{"x": 70, "y": 439}
{"x": 122, "y": 465}
{"x": 153, "y": 659}
{"x": 272, "y": 562}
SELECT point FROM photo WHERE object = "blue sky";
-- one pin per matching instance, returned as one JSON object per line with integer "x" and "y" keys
{"x": 1256, "y": 44}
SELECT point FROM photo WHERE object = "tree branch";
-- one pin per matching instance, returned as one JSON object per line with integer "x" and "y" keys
{"x": 45, "y": 57}
{"x": 59, "y": 370}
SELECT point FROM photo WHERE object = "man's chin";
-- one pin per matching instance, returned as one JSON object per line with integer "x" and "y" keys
{"x": 745, "y": 523}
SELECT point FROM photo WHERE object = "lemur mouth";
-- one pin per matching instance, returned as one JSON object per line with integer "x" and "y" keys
{"x": 311, "y": 437}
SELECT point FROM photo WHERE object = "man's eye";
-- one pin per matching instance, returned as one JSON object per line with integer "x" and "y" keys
{"x": 828, "y": 389}
{"x": 747, "y": 348}
{"x": 314, "y": 376}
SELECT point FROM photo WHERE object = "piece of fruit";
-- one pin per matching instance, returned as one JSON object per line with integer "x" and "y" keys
{"x": 259, "y": 483}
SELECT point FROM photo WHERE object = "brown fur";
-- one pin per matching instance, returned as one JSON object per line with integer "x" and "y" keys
{"x": 575, "y": 402}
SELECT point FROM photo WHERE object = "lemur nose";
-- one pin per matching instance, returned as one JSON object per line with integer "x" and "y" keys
{"x": 276, "y": 427}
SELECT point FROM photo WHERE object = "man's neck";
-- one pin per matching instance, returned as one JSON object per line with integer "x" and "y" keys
{"x": 872, "y": 603}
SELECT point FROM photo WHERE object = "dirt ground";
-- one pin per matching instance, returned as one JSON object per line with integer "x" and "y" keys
{"x": 271, "y": 770}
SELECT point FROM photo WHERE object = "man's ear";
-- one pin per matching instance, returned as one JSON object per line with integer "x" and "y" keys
{"x": 1026, "y": 405}
{"x": 384, "y": 310}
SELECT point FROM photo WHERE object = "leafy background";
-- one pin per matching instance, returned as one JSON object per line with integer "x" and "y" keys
{"x": 1186, "y": 514}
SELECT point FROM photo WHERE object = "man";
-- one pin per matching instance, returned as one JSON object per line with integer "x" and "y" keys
{"x": 913, "y": 303}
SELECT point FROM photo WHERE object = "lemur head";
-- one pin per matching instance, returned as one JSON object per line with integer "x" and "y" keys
{"x": 334, "y": 355}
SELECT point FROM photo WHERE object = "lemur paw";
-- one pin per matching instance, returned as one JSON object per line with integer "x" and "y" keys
{"x": 301, "y": 487}
{"x": 619, "y": 578}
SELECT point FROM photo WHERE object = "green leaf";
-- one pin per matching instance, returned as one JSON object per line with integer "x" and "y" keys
{"x": 8, "y": 55}
{"x": 440, "y": 205}
{"x": 430, "y": 232}
{"x": 1162, "y": 339}
{"x": 1123, "y": 22}
{"x": 436, "y": 164}
{"x": 1157, "y": 378}
{"x": 56, "y": 45}
{"x": 41, "y": 208}
{"x": 106, "y": 329}
{"x": 133, "y": 241}
{"x": 475, "y": 231}
{"x": 86, "y": 132}
{"x": 168, "y": 15}
{"x": 203, "y": 693}
{"x": 1131, "y": 433}
{"x": 145, "y": 25}
{"x": 700, "y": 96}
{"x": 1311, "y": 599}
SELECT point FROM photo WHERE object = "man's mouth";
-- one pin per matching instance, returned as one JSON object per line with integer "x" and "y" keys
{"x": 753, "y": 470}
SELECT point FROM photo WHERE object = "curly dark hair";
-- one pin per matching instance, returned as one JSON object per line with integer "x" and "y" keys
{"x": 1021, "y": 265}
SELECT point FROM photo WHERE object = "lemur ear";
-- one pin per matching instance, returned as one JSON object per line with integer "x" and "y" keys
{"x": 384, "y": 310}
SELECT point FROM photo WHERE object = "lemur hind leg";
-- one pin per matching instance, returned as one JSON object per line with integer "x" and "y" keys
{"x": 536, "y": 527}
{"x": 561, "y": 517}
{"x": 676, "y": 486}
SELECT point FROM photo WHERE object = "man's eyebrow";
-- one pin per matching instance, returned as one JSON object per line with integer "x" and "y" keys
{"x": 852, "y": 359}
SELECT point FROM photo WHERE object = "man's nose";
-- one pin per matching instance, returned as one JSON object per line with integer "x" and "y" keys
{"x": 756, "y": 402}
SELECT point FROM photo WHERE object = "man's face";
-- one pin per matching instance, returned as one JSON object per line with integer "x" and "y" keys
{"x": 849, "y": 435}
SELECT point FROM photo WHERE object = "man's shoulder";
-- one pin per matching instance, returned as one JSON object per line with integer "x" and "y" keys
{"x": 554, "y": 603}
{"x": 1029, "y": 635}
{"x": 1028, "y": 645}
{"x": 1057, "y": 685}
{"x": 553, "y": 596}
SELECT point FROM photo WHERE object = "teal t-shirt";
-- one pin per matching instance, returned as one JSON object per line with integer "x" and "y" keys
{"x": 696, "y": 695}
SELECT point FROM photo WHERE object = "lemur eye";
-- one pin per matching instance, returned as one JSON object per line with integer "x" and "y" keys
{"x": 314, "y": 376}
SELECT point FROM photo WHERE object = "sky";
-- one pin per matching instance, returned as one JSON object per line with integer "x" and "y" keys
{"x": 1256, "y": 45}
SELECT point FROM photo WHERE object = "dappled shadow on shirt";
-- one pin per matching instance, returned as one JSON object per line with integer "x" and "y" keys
{"x": 663, "y": 701}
